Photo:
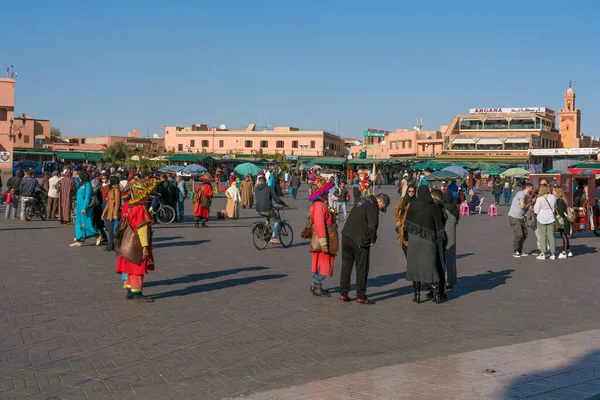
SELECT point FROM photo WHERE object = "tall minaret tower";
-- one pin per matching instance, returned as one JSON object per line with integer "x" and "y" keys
{"x": 570, "y": 121}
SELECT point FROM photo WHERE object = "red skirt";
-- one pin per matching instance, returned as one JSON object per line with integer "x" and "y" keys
{"x": 128, "y": 267}
{"x": 201, "y": 212}
{"x": 322, "y": 263}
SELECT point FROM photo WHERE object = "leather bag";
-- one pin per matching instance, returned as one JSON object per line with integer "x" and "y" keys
{"x": 94, "y": 201}
{"x": 127, "y": 242}
{"x": 333, "y": 241}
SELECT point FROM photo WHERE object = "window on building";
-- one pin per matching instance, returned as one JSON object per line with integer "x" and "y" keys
{"x": 423, "y": 147}
{"x": 522, "y": 124}
{"x": 155, "y": 146}
{"x": 279, "y": 144}
{"x": 471, "y": 124}
{"x": 180, "y": 147}
{"x": 403, "y": 145}
{"x": 313, "y": 144}
{"x": 3, "y": 114}
{"x": 410, "y": 144}
{"x": 26, "y": 139}
{"x": 192, "y": 143}
{"x": 264, "y": 143}
{"x": 495, "y": 124}
{"x": 221, "y": 143}
{"x": 205, "y": 143}
{"x": 294, "y": 144}
{"x": 248, "y": 143}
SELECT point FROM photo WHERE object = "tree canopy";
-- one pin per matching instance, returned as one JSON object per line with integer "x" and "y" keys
{"x": 54, "y": 131}
{"x": 117, "y": 152}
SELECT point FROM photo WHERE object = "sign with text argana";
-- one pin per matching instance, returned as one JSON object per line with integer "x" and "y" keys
{"x": 510, "y": 110}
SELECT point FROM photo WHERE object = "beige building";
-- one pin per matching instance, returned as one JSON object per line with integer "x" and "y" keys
{"x": 200, "y": 138}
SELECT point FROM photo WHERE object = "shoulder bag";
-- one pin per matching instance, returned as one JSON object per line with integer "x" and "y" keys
{"x": 127, "y": 242}
{"x": 559, "y": 222}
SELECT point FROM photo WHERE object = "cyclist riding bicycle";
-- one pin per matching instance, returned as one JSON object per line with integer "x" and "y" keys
{"x": 264, "y": 197}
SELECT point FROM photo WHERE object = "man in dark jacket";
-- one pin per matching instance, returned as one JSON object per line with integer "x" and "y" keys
{"x": 28, "y": 187}
{"x": 264, "y": 197}
{"x": 295, "y": 185}
{"x": 14, "y": 186}
{"x": 358, "y": 235}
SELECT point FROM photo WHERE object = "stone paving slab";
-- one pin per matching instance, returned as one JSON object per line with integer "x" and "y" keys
{"x": 230, "y": 320}
{"x": 562, "y": 368}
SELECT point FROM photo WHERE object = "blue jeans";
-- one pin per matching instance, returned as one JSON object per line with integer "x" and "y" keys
{"x": 507, "y": 196}
{"x": 180, "y": 209}
{"x": 319, "y": 277}
{"x": 342, "y": 209}
{"x": 272, "y": 217}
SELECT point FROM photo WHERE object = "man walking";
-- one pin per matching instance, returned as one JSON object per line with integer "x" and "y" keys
{"x": 14, "y": 187}
{"x": 516, "y": 218}
{"x": 182, "y": 194}
{"x": 295, "y": 185}
{"x": 53, "y": 196}
{"x": 358, "y": 235}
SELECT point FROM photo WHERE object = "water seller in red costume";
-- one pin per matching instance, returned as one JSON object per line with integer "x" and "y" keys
{"x": 135, "y": 211}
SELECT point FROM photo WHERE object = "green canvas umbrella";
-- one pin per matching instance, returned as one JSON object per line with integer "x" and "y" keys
{"x": 429, "y": 165}
{"x": 482, "y": 165}
{"x": 515, "y": 172}
{"x": 247, "y": 169}
{"x": 443, "y": 175}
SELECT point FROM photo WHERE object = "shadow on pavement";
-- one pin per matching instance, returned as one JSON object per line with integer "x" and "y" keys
{"x": 458, "y": 256}
{"x": 486, "y": 281}
{"x": 378, "y": 281}
{"x": 580, "y": 249}
{"x": 180, "y": 244}
{"x": 165, "y": 238}
{"x": 33, "y": 227}
{"x": 578, "y": 380}
{"x": 205, "y": 275}
{"x": 217, "y": 285}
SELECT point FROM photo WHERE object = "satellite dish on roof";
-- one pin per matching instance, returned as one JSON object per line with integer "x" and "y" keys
{"x": 222, "y": 126}
{"x": 155, "y": 136}
{"x": 383, "y": 142}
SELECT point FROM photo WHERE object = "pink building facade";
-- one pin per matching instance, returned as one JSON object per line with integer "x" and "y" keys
{"x": 403, "y": 143}
{"x": 7, "y": 112}
{"x": 290, "y": 141}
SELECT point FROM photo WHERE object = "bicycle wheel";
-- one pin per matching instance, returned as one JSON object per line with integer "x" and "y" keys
{"x": 165, "y": 215}
{"x": 43, "y": 211}
{"x": 260, "y": 236}
{"x": 28, "y": 213}
{"x": 286, "y": 234}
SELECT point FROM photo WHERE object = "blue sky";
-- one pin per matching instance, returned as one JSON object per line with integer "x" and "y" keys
{"x": 113, "y": 66}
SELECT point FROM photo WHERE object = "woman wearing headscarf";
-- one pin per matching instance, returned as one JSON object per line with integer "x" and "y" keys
{"x": 97, "y": 220}
{"x": 473, "y": 201}
{"x": 400, "y": 214}
{"x": 66, "y": 191}
{"x": 140, "y": 221}
{"x": 452, "y": 217}
{"x": 424, "y": 231}
{"x": 497, "y": 188}
{"x": 233, "y": 201}
{"x": 323, "y": 257}
{"x": 83, "y": 213}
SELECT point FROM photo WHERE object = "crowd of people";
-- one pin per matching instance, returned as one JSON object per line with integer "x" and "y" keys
{"x": 115, "y": 206}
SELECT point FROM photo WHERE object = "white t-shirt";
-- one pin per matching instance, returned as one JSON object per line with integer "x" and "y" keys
{"x": 544, "y": 209}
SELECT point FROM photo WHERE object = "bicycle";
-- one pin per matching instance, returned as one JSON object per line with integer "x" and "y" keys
{"x": 263, "y": 231}
{"x": 164, "y": 214}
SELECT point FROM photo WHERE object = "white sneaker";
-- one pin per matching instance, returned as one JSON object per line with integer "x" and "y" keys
{"x": 569, "y": 254}
{"x": 523, "y": 254}
{"x": 552, "y": 257}
{"x": 541, "y": 257}
{"x": 562, "y": 255}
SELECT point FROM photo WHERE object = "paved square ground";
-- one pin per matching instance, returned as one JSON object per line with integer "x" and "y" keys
{"x": 230, "y": 320}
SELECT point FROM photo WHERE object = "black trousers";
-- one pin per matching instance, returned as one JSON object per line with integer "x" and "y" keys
{"x": 353, "y": 254}
{"x": 110, "y": 229}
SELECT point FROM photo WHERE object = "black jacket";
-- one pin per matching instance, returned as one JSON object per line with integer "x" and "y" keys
{"x": 14, "y": 183}
{"x": 363, "y": 221}
{"x": 264, "y": 197}
{"x": 29, "y": 186}
{"x": 295, "y": 182}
